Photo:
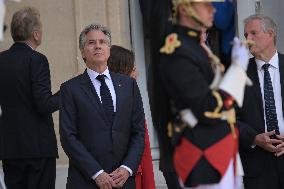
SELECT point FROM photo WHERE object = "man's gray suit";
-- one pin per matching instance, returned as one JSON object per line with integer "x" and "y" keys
{"x": 89, "y": 140}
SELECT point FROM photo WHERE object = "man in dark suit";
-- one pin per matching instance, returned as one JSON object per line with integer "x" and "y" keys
{"x": 28, "y": 146}
{"x": 101, "y": 119}
{"x": 262, "y": 114}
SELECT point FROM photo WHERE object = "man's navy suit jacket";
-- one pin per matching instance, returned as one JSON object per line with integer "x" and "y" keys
{"x": 89, "y": 140}
{"x": 26, "y": 125}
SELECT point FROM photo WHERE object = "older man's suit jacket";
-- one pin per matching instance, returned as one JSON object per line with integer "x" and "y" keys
{"x": 252, "y": 122}
{"x": 87, "y": 137}
{"x": 26, "y": 125}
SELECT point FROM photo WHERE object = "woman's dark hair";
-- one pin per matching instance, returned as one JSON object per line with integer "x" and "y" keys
{"x": 121, "y": 60}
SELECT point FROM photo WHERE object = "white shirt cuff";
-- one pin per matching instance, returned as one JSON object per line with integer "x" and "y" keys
{"x": 128, "y": 169}
{"x": 97, "y": 174}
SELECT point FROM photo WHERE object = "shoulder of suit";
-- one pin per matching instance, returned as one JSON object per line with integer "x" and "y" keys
{"x": 121, "y": 76}
{"x": 25, "y": 48}
{"x": 38, "y": 55}
{"x": 73, "y": 81}
{"x": 3, "y": 53}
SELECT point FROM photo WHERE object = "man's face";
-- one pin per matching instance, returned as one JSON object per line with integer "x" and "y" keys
{"x": 205, "y": 11}
{"x": 263, "y": 40}
{"x": 96, "y": 50}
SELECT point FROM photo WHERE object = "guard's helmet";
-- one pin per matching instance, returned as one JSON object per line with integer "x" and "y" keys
{"x": 190, "y": 11}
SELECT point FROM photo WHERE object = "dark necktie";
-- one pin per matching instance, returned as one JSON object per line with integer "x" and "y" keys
{"x": 106, "y": 98}
{"x": 270, "y": 109}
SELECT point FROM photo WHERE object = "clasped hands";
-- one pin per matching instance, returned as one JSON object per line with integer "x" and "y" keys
{"x": 115, "y": 179}
{"x": 270, "y": 142}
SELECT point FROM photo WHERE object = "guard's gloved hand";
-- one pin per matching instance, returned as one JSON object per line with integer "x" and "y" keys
{"x": 240, "y": 53}
{"x": 235, "y": 78}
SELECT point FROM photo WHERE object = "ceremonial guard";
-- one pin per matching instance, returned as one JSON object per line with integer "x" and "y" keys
{"x": 202, "y": 99}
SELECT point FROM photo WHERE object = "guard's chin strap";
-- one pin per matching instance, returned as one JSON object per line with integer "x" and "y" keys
{"x": 192, "y": 13}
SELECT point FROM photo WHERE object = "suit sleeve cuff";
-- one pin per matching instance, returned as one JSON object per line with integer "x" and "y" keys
{"x": 97, "y": 174}
{"x": 128, "y": 169}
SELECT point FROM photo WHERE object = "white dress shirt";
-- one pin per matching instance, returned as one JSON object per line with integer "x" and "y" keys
{"x": 97, "y": 84}
{"x": 275, "y": 79}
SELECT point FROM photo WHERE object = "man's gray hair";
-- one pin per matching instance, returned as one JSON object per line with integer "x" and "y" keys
{"x": 267, "y": 23}
{"x": 24, "y": 22}
{"x": 91, "y": 27}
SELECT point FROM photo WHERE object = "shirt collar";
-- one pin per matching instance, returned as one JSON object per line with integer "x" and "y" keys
{"x": 30, "y": 46}
{"x": 93, "y": 74}
{"x": 273, "y": 62}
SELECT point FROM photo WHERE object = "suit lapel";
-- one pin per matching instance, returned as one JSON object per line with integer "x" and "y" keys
{"x": 281, "y": 72}
{"x": 253, "y": 75}
{"x": 117, "y": 84}
{"x": 89, "y": 89}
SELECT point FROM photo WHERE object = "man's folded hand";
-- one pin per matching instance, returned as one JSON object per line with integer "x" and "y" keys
{"x": 120, "y": 176}
{"x": 104, "y": 181}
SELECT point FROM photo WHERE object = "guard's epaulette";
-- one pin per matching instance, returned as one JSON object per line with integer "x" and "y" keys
{"x": 171, "y": 43}
{"x": 192, "y": 34}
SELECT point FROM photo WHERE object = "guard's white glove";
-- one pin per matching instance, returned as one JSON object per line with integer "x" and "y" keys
{"x": 235, "y": 78}
{"x": 240, "y": 54}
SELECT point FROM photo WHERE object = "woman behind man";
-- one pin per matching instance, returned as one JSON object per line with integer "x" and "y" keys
{"x": 121, "y": 60}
